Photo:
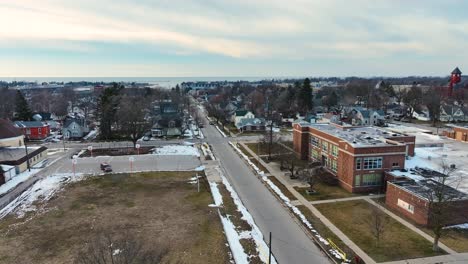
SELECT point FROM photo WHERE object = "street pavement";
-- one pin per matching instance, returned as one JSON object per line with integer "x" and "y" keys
{"x": 290, "y": 244}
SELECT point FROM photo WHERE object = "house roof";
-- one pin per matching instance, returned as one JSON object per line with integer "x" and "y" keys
{"x": 241, "y": 112}
{"x": 25, "y": 124}
{"x": 16, "y": 156}
{"x": 8, "y": 130}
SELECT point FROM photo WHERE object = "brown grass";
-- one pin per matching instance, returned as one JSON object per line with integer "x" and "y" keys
{"x": 160, "y": 209}
{"x": 398, "y": 242}
{"x": 325, "y": 192}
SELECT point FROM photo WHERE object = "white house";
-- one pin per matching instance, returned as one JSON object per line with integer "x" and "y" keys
{"x": 241, "y": 114}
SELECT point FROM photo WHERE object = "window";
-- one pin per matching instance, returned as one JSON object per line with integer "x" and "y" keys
{"x": 408, "y": 207}
{"x": 28, "y": 131}
{"x": 334, "y": 150}
{"x": 372, "y": 163}
{"x": 325, "y": 146}
{"x": 357, "y": 180}
{"x": 334, "y": 166}
{"x": 314, "y": 141}
{"x": 395, "y": 164}
{"x": 315, "y": 154}
{"x": 358, "y": 164}
{"x": 39, "y": 130}
{"x": 371, "y": 179}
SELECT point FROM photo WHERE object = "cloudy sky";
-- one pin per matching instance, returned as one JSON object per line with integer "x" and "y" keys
{"x": 49, "y": 38}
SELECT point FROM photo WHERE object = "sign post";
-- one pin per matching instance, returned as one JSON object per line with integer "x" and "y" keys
{"x": 74, "y": 161}
{"x": 137, "y": 146}
{"x": 131, "y": 159}
{"x": 90, "y": 148}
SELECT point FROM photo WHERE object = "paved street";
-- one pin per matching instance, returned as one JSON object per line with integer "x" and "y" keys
{"x": 290, "y": 243}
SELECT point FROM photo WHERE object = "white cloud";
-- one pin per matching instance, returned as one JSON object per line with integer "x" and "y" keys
{"x": 245, "y": 29}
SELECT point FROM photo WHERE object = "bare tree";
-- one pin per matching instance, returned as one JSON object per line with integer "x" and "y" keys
{"x": 107, "y": 248}
{"x": 442, "y": 194}
{"x": 132, "y": 117}
{"x": 413, "y": 99}
{"x": 377, "y": 222}
{"x": 270, "y": 140}
{"x": 309, "y": 175}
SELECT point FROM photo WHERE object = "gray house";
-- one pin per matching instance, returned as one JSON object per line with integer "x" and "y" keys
{"x": 74, "y": 127}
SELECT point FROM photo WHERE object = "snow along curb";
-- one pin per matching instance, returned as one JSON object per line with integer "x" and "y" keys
{"x": 220, "y": 131}
{"x": 293, "y": 208}
{"x": 232, "y": 235}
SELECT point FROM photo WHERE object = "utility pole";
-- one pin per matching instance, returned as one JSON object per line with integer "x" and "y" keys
{"x": 269, "y": 253}
{"x": 27, "y": 157}
{"x": 198, "y": 182}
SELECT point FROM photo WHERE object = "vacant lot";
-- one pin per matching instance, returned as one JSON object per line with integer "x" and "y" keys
{"x": 324, "y": 192}
{"x": 161, "y": 210}
{"x": 398, "y": 242}
{"x": 116, "y": 151}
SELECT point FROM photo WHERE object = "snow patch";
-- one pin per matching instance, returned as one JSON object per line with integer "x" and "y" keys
{"x": 176, "y": 150}
{"x": 220, "y": 131}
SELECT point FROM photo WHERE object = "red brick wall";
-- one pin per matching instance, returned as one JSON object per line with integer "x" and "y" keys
{"x": 301, "y": 141}
{"x": 420, "y": 214}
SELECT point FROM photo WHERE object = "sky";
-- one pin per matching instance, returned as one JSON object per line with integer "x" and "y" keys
{"x": 210, "y": 38}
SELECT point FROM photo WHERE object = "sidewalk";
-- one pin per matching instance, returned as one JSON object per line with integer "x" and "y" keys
{"x": 301, "y": 200}
{"x": 451, "y": 257}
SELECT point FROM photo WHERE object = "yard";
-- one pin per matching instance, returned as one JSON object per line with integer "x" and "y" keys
{"x": 115, "y": 151}
{"x": 397, "y": 242}
{"x": 162, "y": 210}
{"x": 454, "y": 238}
{"x": 325, "y": 192}
{"x": 262, "y": 148}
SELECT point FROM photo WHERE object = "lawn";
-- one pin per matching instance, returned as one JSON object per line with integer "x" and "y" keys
{"x": 325, "y": 232}
{"x": 262, "y": 148}
{"x": 456, "y": 239}
{"x": 161, "y": 210}
{"x": 325, "y": 192}
{"x": 397, "y": 243}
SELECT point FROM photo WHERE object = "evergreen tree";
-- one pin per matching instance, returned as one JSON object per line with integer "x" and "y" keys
{"x": 23, "y": 112}
{"x": 107, "y": 108}
{"x": 305, "y": 102}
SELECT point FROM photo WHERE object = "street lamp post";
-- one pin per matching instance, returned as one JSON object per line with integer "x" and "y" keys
{"x": 137, "y": 146}
{"x": 90, "y": 148}
{"x": 74, "y": 161}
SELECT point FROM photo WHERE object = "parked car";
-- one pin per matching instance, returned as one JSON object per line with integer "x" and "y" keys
{"x": 108, "y": 169}
{"x": 105, "y": 165}
{"x": 211, "y": 123}
{"x": 200, "y": 125}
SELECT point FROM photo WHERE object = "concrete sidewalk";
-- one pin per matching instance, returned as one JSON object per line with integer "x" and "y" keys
{"x": 301, "y": 200}
{"x": 451, "y": 257}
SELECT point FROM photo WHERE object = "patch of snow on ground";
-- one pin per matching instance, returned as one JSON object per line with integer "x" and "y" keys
{"x": 42, "y": 191}
{"x": 207, "y": 151}
{"x": 220, "y": 131}
{"x": 240, "y": 257}
{"x": 460, "y": 226}
{"x": 19, "y": 178}
{"x": 260, "y": 172}
{"x": 256, "y": 234}
{"x": 177, "y": 150}
{"x": 217, "y": 197}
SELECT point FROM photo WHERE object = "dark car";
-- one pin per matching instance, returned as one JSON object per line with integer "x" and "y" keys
{"x": 107, "y": 169}
{"x": 104, "y": 165}
{"x": 211, "y": 123}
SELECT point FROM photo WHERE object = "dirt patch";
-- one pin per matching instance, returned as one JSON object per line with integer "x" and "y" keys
{"x": 161, "y": 209}
{"x": 116, "y": 152}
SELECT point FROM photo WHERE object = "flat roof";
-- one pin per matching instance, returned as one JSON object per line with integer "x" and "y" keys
{"x": 358, "y": 136}
{"x": 429, "y": 187}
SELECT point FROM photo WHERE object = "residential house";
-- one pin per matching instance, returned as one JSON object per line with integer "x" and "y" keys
{"x": 451, "y": 113}
{"x": 357, "y": 156}
{"x": 361, "y": 116}
{"x": 7, "y": 172}
{"x": 10, "y": 136}
{"x": 240, "y": 114}
{"x": 49, "y": 118}
{"x": 412, "y": 198}
{"x": 168, "y": 121}
{"x": 74, "y": 127}
{"x": 17, "y": 157}
{"x": 251, "y": 124}
{"x": 34, "y": 130}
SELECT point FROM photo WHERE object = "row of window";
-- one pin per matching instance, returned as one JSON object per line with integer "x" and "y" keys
{"x": 373, "y": 179}
{"x": 369, "y": 163}
{"x": 324, "y": 146}
{"x": 329, "y": 163}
